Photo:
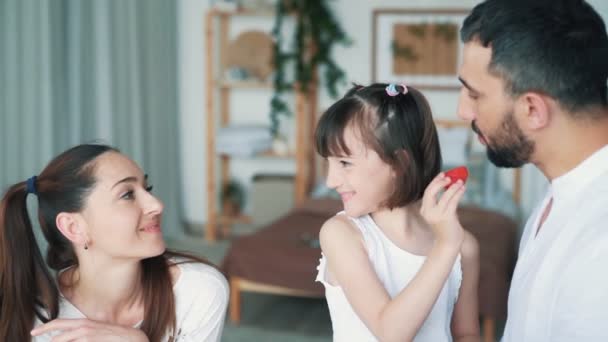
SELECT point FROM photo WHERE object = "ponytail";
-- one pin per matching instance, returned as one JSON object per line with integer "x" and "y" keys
{"x": 27, "y": 289}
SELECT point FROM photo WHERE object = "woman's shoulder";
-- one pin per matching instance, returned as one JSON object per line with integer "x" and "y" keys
{"x": 196, "y": 276}
{"x": 201, "y": 292}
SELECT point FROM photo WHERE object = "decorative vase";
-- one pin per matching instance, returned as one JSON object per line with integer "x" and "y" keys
{"x": 279, "y": 146}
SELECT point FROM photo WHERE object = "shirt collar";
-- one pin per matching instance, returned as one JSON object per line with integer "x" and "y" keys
{"x": 569, "y": 184}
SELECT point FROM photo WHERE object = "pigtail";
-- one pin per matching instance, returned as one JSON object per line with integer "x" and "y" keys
{"x": 429, "y": 143}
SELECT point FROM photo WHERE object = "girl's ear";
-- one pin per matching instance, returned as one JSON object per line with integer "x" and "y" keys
{"x": 402, "y": 159}
{"x": 72, "y": 226}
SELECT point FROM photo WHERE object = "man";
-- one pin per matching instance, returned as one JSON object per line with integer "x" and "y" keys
{"x": 534, "y": 77}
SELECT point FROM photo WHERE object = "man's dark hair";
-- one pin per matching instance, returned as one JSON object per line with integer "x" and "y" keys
{"x": 555, "y": 47}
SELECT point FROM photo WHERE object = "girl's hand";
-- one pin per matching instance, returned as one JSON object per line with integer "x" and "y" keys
{"x": 86, "y": 330}
{"x": 439, "y": 211}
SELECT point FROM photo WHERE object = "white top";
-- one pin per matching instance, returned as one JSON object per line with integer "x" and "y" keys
{"x": 559, "y": 290}
{"x": 201, "y": 295}
{"x": 395, "y": 268}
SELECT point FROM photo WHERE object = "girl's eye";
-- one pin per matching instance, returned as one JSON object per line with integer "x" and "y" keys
{"x": 149, "y": 188}
{"x": 344, "y": 163}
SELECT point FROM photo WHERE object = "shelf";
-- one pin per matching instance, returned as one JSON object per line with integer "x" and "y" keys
{"x": 224, "y": 219}
{"x": 244, "y": 84}
{"x": 219, "y": 92}
{"x": 243, "y": 12}
{"x": 265, "y": 154}
{"x": 272, "y": 154}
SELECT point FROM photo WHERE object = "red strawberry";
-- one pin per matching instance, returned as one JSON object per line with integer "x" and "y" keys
{"x": 455, "y": 174}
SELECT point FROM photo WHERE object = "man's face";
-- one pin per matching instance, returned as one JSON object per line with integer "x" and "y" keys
{"x": 484, "y": 102}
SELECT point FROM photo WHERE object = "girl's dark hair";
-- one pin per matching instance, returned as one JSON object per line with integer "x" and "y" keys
{"x": 400, "y": 129}
{"x": 27, "y": 288}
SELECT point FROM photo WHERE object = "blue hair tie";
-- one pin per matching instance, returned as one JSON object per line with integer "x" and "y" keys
{"x": 31, "y": 185}
{"x": 391, "y": 89}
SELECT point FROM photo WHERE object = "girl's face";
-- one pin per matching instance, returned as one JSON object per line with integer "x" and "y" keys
{"x": 122, "y": 217}
{"x": 362, "y": 179}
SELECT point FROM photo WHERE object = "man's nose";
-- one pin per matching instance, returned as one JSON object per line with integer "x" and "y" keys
{"x": 465, "y": 106}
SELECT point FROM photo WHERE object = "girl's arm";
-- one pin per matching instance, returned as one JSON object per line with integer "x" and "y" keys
{"x": 401, "y": 317}
{"x": 465, "y": 321}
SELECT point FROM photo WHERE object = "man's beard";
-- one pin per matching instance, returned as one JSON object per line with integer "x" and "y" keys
{"x": 509, "y": 147}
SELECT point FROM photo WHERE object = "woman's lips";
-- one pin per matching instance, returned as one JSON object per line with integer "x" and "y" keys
{"x": 153, "y": 228}
{"x": 346, "y": 196}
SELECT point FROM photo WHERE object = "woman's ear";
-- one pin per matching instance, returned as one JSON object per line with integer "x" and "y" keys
{"x": 72, "y": 226}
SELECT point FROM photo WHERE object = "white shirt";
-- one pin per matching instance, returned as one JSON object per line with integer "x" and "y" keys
{"x": 559, "y": 290}
{"x": 201, "y": 295}
{"x": 395, "y": 268}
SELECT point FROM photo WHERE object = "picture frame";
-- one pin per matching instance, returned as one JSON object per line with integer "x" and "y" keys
{"x": 419, "y": 47}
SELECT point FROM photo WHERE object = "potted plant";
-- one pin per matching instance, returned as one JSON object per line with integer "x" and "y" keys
{"x": 233, "y": 198}
{"x": 315, "y": 35}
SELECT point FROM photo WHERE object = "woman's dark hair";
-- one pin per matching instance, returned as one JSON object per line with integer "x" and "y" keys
{"x": 400, "y": 129}
{"x": 556, "y": 47}
{"x": 28, "y": 289}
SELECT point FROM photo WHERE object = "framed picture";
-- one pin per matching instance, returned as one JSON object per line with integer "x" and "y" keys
{"x": 419, "y": 47}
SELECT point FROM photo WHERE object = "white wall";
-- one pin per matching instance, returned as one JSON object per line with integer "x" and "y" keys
{"x": 356, "y": 19}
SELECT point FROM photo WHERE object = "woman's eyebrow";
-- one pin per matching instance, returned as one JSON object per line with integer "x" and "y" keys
{"x": 130, "y": 179}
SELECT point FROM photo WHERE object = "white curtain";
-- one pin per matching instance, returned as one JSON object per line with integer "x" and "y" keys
{"x": 81, "y": 71}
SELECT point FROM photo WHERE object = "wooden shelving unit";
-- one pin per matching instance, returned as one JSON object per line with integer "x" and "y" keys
{"x": 218, "y": 90}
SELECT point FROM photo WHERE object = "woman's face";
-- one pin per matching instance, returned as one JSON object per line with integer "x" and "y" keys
{"x": 122, "y": 217}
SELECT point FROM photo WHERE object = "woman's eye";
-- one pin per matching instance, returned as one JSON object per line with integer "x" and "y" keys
{"x": 344, "y": 163}
{"x": 127, "y": 195}
{"x": 149, "y": 188}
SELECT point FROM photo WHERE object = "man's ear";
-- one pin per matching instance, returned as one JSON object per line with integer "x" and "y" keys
{"x": 535, "y": 109}
{"x": 72, "y": 226}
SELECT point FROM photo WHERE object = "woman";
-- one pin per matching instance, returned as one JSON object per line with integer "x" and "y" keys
{"x": 112, "y": 274}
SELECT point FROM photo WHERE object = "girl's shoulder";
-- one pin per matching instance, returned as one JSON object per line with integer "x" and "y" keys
{"x": 339, "y": 227}
{"x": 341, "y": 233}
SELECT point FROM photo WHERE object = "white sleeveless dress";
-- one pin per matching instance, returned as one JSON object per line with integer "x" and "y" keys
{"x": 395, "y": 268}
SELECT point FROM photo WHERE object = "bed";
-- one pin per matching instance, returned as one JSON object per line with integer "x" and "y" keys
{"x": 282, "y": 257}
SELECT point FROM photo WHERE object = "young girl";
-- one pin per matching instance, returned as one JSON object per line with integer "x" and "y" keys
{"x": 113, "y": 279}
{"x": 396, "y": 263}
